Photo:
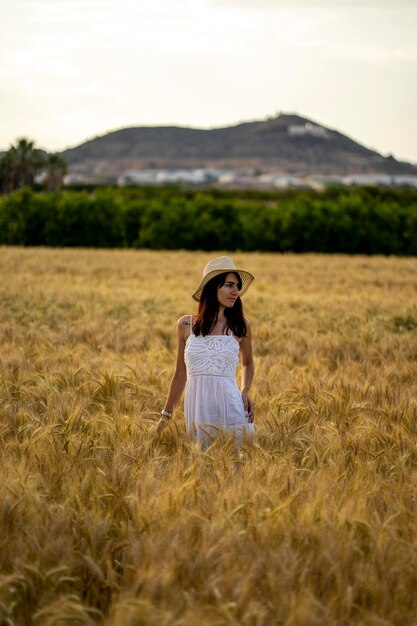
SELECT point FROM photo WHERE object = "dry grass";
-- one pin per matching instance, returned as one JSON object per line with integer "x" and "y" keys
{"x": 102, "y": 523}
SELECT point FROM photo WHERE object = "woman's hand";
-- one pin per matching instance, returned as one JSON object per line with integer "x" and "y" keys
{"x": 161, "y": 425}
{"x": 248, "y": 404}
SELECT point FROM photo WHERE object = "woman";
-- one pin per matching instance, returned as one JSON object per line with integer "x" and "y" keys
{"x": 208, "y": 349}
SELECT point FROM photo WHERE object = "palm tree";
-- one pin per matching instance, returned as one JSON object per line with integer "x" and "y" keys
{"x": 55, "y": 168}
{"x": 20, "y": 165}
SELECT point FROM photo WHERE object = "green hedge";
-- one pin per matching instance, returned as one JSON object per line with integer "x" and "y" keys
{"x": 364, "y": 220}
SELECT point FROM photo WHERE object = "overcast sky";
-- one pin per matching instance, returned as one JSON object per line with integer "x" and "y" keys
{"x": 74, "y": 69}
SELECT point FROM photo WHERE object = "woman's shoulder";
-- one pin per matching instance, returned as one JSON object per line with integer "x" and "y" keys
{"x": 186, "y": 320}
{"x": 184, "y": 325}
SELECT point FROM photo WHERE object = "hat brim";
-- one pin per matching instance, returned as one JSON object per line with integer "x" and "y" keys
{"x": 246, "y": 277}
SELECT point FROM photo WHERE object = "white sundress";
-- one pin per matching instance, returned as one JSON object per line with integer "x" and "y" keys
{"x": 213, "y": 402}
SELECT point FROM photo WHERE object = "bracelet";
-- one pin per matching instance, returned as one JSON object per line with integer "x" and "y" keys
{"x": 167, "y": 414}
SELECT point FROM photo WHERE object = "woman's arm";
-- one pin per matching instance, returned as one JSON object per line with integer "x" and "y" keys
{"x": 248, "y": 370}
{"x": 180, "y": 376}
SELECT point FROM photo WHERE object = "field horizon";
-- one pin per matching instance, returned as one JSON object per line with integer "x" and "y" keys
{"x": 102, "y": 522}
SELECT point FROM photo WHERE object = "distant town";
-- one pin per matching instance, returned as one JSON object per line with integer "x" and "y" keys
{"x": 235, "y": 179}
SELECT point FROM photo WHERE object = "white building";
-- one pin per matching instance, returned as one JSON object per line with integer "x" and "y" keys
{"x": 307, "y": 129}
{"x": 282, "y": 181}
{"x": 368, "y": 179}
{"x": 193, "y": 177}
{"x": 137, "y": 177}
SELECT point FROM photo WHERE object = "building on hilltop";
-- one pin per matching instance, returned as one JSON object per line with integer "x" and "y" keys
{"x": 307, "y": 129}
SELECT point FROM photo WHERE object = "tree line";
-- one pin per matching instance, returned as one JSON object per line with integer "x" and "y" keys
{"x": 365, "y": 220}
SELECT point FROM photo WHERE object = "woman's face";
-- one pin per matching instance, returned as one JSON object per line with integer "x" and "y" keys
{"x": 228, "y": 293}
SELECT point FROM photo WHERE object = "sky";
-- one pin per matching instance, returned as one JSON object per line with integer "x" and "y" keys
{"x": 74, "y": 69}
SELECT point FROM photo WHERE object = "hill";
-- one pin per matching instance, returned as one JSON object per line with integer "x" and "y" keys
{"x": 287, "y": 143}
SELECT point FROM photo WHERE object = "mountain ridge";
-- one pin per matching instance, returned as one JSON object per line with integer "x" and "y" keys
{"x": 287, "y": 142}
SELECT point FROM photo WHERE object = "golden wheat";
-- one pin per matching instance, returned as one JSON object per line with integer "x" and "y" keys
{"x": 102, "y": 522}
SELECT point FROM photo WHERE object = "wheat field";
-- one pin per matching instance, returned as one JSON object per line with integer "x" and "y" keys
{"x": 104, "y": 522}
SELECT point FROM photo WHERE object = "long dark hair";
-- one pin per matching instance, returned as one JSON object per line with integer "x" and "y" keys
{"x": 208, "y": 309}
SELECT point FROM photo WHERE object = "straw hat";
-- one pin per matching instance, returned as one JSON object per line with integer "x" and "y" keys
{"x": 219, "y": 266}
